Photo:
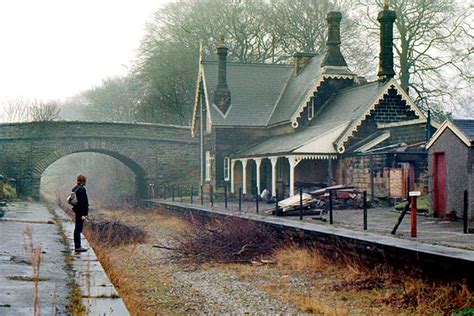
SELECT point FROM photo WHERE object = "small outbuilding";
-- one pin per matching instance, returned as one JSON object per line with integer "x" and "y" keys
{"x": 451, "y": 163}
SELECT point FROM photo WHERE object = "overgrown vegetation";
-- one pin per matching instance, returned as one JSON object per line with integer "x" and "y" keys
{"x": 304, "y": 276}
{"x": 112, "y": 233}
{"x": 229, "y": 239}
{"x": 75, "y": 306}
{"x": 35, "y": 252}
{"x": 350, "y": 279}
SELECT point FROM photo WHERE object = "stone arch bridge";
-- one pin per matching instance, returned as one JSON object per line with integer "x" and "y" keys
{"x": 155, "y": 153}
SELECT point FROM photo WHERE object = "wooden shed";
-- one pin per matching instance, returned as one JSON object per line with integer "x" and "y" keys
{"x": 450, "y": 163}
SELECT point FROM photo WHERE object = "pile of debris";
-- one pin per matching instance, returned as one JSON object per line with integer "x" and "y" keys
{"x": 317, "y": 202}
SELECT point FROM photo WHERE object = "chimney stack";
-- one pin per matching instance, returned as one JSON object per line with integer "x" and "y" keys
{"x": 386, "y": 19}
{"x": 222, "y": 94}
{"x": 333, "y": 55}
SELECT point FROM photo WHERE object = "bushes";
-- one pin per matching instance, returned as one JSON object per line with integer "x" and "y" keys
{"x": 113, "y": 233}
{"x": 222, "y": 240}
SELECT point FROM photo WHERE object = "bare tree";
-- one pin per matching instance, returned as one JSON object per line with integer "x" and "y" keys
{"x": 16, "y": 110}
{"x": 433, "y": 45}
{"x": 42, "y": 111}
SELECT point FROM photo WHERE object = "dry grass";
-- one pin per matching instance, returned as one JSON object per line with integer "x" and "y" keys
{"x": 302, "y": 276}
{"x": 35, "y": 253}
{"x": 142, "y": 280}
{"x": 296, "y": 259}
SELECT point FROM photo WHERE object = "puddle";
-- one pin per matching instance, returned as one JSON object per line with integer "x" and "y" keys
{"x": 5, "y": 258}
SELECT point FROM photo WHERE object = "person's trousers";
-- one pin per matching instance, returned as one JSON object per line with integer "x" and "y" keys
{"x": 78, "y": 231}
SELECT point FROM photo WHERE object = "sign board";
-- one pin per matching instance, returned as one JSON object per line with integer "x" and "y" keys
{"x": 414, "y": 193}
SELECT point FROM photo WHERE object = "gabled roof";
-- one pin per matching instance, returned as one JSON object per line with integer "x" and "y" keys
{"x": 333, "y": 124}
{"x": 263, "y": 95}
{"x": 300, "y": 88}
{"x": 463, "y": 129}
{"x": 363, "y": 99}
{"x": 254, "y": 90}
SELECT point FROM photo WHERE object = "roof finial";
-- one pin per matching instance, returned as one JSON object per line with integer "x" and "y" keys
{"x": 222, "y": 40}
{"x": 386, "y": 4}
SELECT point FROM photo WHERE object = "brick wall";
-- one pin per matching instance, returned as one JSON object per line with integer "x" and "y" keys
{"x": 356, "y": 171}
{"x": 389, "y": 110}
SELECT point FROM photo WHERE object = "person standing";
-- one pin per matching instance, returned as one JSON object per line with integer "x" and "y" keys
{"x": 81, "y": 210}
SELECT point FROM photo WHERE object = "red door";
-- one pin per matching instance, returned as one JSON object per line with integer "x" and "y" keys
{"x": 439, "y": 182}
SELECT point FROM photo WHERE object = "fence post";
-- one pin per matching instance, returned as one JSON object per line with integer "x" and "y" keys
{"x": 364, "y": 205}
{"x": 211, "y": 195}
{"x": 240, "y": 199}
{"x": 202, "y": 197}
{"x": 330, "y": 208}
{"x": 164, "y": 191}
{"x": 465, "y": 213}
{"x": 256, "y": 199}
{"x": 413, "y": 216}
{"x": 172, "y": 193}
{"x": 277, "y": 210}
{"x": 225, "y": 195}
{"x": 301, "y": 203}
{"x": 192, "y": 194}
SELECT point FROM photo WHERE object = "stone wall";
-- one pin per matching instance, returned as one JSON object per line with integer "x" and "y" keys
{"x": 157, "y": 154}
{"x": 387, "y": 174}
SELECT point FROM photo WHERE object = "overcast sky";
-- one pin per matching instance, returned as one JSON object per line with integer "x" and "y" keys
{"x": 52, "y": 49}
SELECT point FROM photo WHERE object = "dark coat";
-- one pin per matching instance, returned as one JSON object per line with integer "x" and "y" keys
{"x": 82, "y": 206}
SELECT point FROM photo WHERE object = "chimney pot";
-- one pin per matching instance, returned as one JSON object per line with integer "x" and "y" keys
{"x": 221, "y": 96}
{"x": 333, "y": 55}
{"x": 386, "y": 19}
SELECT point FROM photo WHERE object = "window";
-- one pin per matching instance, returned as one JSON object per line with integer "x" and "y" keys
{"x": 311, "y": 108}
{"x": 226, "y": 169}
{"x": 208, "y": 165}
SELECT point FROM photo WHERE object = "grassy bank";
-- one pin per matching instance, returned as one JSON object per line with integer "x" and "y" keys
{"x": 146, "y": 277}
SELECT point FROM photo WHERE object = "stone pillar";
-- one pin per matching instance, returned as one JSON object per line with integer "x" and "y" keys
{"x": 273, "y": 161}
{"x": 294, "y": 161}
{"x": 232, "y": 165}
{"x": 244, "y": 176}
{"x": 258, "y": 162}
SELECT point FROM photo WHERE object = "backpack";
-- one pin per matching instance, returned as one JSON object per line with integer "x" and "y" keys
{"x": 72, "y": 198}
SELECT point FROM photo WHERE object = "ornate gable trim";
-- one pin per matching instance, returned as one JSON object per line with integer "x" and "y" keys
{"x": 314, "y": 88}
{"x": 201, "y": 86}
{"x": 196, "y": 101}
{"x": 352, "y": 128}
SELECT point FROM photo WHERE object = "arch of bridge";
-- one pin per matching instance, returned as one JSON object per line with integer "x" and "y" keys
{"x": 154, "y": 152}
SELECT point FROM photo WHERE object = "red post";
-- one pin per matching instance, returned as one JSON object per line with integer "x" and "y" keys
{"x": 413, "y": 216}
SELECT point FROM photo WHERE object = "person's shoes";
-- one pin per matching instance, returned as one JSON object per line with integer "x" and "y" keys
{"x": 80, "y": 249}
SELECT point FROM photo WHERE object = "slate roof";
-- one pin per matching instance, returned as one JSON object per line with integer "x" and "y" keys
{"x": 296, "y": 90}
{"x": 329, "y": 123}
{"x": 265, "y": 94}
{"x": 254, "y": 88}
{"x": 290, "y": 143}
{"x": 466, "y": 127}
